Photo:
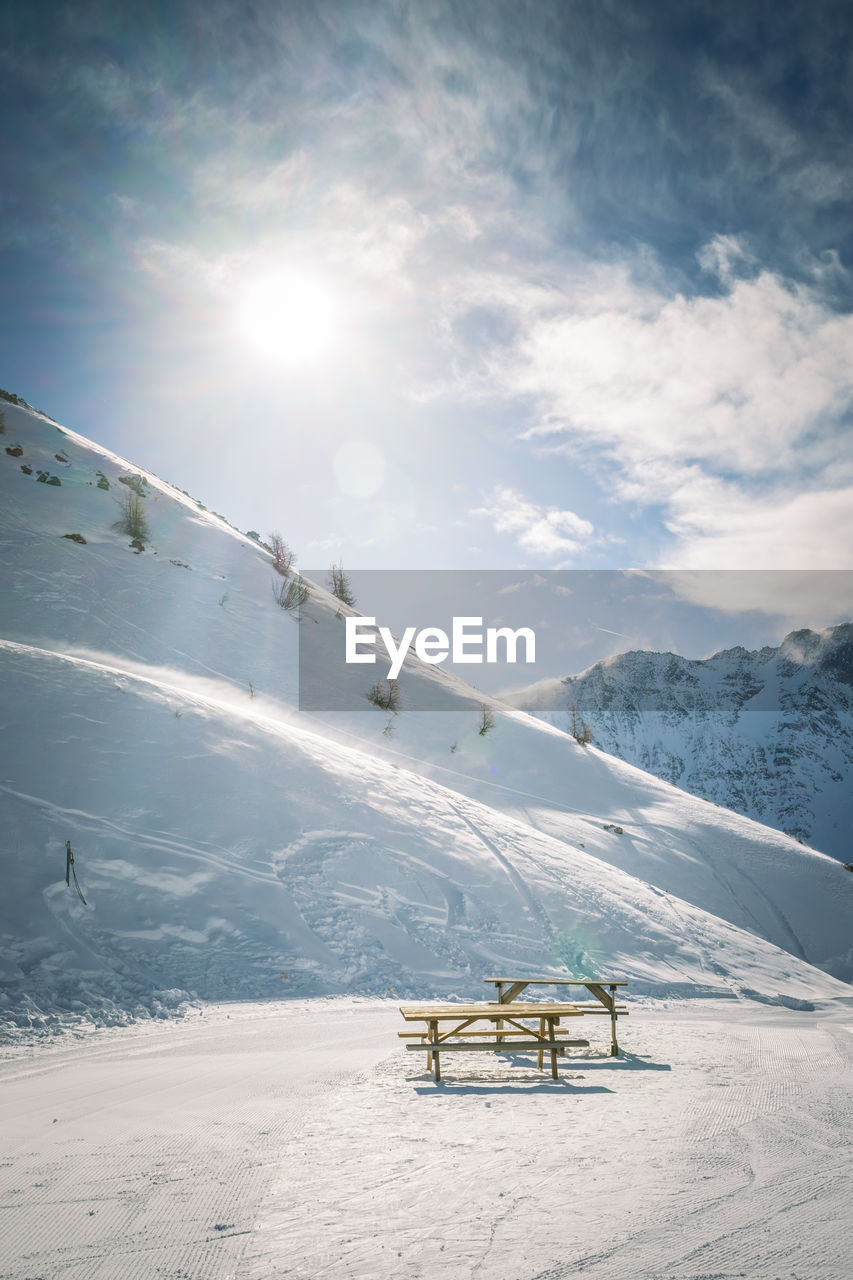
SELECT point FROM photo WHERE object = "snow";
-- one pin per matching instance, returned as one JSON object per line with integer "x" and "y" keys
{"x": 316, "y": 871}
{"x": 201, "y": 874}
{"x": 298, "y": 1140}
{"x": 767, "y": 733}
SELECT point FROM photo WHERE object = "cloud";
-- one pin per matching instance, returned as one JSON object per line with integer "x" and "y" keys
{"x": 729, "y": 411}
{"x": 804, "y": 598}
{"x": 789, "y": 144}
{"x": 718, "y": 524}
{"x": 722, "y": 257}
{"x": 736, "y": 381}
{"x": 470, "y": 195}
{"x": 535, "y": 580}
{"x": 540, "y": 531}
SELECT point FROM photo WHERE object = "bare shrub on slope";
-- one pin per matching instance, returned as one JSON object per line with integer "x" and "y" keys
{"x": 133, "y": 520}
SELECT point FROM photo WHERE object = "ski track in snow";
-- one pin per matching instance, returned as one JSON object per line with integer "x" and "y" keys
{"x": 533, "y": 903}
{"x": 762, "y": 1173}
{"x": 147, "y": 1154}
{"x": 301, "y": 1142}
{"x": 715, "y": 1146}
{"x": 712, "y": 862}
{"x": 202, "y": 852}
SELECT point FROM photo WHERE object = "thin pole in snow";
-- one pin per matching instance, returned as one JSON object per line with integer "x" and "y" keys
{"x": 69, "y": 871}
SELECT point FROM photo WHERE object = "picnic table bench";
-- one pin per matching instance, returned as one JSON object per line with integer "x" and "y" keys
{"x": 506, "y": 1016}
{"x": 605, "y": 1000}
{"x": 514, "y": 1036}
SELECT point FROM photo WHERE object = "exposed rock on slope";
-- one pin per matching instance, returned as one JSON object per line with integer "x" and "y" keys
{"x": 767, "y": 733}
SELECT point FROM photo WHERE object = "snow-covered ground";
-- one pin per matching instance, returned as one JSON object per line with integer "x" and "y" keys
{"x": 262, "y": 1141}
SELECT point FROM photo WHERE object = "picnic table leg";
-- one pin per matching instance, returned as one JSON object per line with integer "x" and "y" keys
{"x": 541, "y": 1037}
{"x": 429, "y": 1051}
{"x": 551, "y": 1036}
{"x": 433, "y": 1035}
{"x": 614, "y": 1047}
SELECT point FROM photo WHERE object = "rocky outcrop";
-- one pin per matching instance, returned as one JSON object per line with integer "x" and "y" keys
{"x": 768, "y": 732}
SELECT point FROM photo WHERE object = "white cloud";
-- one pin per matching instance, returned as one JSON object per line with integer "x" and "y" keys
{"x": 540, "y": 531}
{"x": 804, "y": 598}
{"x": 719, "y": 525}
{"x": 737, "y": 381}
{"x": 722, "y": 255}
{"x": 729, "y": 412}
{"x": 534, "y": 580}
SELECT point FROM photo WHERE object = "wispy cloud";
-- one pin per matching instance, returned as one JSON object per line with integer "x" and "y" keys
{"x": 510, "y": 201}
{"x": 540, "y": 531}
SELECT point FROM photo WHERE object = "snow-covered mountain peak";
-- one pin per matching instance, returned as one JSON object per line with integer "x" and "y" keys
{"x": 767, "y": 732}
{"x": 829, "y": 651}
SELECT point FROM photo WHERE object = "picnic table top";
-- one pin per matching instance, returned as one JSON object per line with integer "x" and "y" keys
{"x": 493, "y": 1012}
{"x": 565, "y": 982}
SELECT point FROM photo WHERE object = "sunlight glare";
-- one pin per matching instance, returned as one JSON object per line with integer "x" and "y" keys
{"x": 289, "y": 317}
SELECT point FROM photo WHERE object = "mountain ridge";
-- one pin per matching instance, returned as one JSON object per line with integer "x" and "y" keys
{"x": 767, "y": 733}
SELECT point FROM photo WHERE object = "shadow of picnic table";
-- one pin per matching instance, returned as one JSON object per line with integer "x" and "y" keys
{"x": 515, "y": 1079}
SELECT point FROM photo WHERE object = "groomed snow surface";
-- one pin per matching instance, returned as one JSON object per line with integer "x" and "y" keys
{"x": 200, "y": 1070}
{"x": 264, "y": 1140}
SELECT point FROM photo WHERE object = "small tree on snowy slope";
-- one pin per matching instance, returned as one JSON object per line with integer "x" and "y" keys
{"x": 580, "y": 730}
{"x": 133, "y": 520}
{"x": 385, "y": 695}
{"x": 282, "y": 556}
{"x": 486, "y": 720}
{"x": 339, "y": 585}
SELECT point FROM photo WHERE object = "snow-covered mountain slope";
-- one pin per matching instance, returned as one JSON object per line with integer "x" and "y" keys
{"x": 235, "y": 855}
{"x": 229, "y": 844}
{"x": 767, "y": 733}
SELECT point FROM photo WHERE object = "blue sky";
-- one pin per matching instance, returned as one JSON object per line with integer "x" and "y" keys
{"x": 447, "y": 285}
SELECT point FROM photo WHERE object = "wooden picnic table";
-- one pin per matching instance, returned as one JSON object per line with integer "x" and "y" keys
{"x": 514, "y": 1037}
{"x": 510, "y": 988}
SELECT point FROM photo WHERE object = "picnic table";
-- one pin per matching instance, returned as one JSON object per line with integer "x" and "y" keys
{"x": 515, "y": 1037}
{"x": 510, "y": 988}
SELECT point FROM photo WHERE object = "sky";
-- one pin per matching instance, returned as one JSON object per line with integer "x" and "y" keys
{"x": 463, "y": 285}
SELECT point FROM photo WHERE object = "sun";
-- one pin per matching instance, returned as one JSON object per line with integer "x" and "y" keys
{"x": 289, "y": 317}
